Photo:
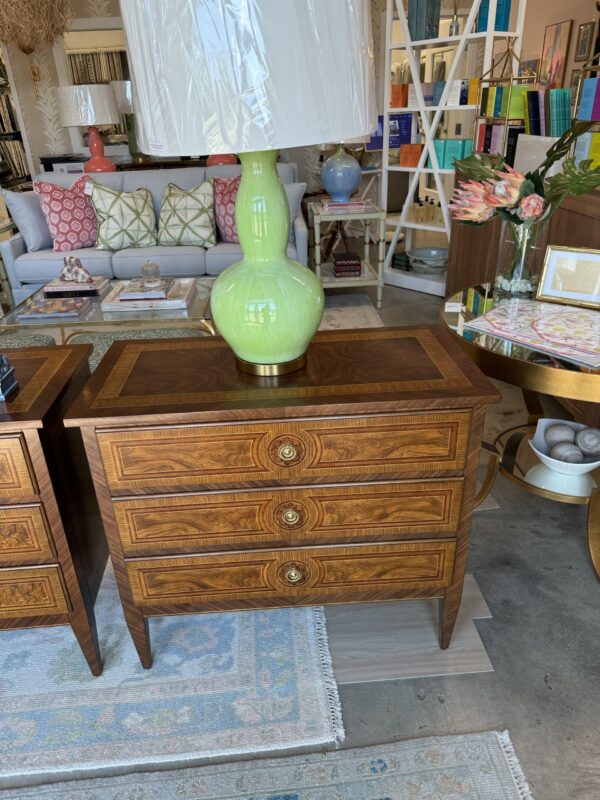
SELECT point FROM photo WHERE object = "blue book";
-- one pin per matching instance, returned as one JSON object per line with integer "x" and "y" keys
{"x": 482, "y": 19}
{"x": 586, "y": 101}
{"x": 412, "y": 18}
{"x": 498, "y": 101}
{"x": 438, "y": 88}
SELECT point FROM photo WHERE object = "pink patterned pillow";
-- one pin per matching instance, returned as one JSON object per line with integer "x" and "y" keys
{"x": 226, "y": 190}
{"x": 69, "y": 213}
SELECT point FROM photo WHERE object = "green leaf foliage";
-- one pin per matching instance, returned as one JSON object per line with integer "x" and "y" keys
{"x": 480, "y": 167}
{"x": 527, "y": 187}
{"x": 561, "y": 147}
{"x": 572, "y": 180}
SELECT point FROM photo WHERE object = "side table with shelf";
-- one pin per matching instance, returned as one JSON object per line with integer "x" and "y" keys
{"x": 370, "y": 275}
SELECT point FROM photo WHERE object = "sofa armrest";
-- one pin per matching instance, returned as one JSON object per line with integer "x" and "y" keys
{"x": 301, "y": 236}
{"x": 10, "y": 250}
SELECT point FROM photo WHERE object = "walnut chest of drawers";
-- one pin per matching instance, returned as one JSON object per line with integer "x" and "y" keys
{"x": 350, "y": 480}
{"x": 50, "y": 565}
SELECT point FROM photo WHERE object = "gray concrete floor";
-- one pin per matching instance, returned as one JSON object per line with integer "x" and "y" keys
{"x": 531, "y": 561}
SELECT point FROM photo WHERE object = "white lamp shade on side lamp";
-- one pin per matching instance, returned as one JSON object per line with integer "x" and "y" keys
{"x": 123, "y": 96}
{"x": 232, "y": 76}
{"x": 87, "y": 105}
{"x": 251, "y": 77}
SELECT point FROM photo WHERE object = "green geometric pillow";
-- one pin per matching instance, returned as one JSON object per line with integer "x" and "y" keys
{"x": 188, "y": 217}
{"x": 125, "y": 219}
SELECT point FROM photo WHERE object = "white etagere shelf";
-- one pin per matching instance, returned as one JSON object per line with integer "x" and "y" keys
{"x": 429, "y": 118}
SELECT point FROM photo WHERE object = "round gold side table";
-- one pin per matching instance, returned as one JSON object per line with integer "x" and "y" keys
{"x": 535, "y": 373}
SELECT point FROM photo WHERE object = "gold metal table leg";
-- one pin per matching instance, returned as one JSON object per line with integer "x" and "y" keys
{"x": 490, "y": 476}
{"x": 594, "y": 529}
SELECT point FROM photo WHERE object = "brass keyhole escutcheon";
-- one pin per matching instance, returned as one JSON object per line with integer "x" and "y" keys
{"x": 291, "y": 516}
{"x": 287, "y": 452}
{"x": 294, "y": 575}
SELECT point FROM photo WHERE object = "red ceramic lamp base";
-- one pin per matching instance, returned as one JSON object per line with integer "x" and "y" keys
{"x": 98, "y": 162}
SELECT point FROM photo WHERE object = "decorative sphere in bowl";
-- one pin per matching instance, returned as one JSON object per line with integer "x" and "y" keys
{"x": 572, "y": 478}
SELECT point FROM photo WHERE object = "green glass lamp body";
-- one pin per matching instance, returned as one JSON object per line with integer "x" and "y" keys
{"x": 267, "y": 306}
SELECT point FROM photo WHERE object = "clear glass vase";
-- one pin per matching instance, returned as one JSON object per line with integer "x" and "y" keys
{"x": 520, "y": 256}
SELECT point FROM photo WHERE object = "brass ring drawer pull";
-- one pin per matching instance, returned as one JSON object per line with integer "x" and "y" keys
{"x": 287, "y": 452}
{"x": 294, "y": 575}
{"x": 291, "y": 516}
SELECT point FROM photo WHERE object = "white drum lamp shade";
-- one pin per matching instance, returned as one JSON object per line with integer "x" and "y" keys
{"x": 123, "y": 96}
{"x": 251, "y": 77}
{"x": 87, "y": 105}
{"x": 232, "y": 76}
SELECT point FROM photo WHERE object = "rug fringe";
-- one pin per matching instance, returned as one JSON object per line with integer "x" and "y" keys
{"x": 331, "y": 687}
{"x": 514, "y": 766}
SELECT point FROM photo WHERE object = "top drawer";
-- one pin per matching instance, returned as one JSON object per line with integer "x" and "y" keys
{"x": 292, "y": 451}
{"x": 15, "y": 478}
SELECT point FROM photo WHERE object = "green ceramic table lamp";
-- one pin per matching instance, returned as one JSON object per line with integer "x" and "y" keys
{"x": 251, "y": 77}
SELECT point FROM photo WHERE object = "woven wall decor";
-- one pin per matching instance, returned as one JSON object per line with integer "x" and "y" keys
{"x": 29, "y": 23}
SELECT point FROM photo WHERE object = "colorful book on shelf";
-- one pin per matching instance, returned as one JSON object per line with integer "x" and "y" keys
{"x": 533, "y": 113}
{"x": 502, "y": 20}
{"x": 498, "y": 100}
{"x": 512, "y": 137}
{"x": 496, "y": 140}
{"x": 587, "y": 147}
{"x": 562, "y": 331}
{"x": 60, "y": 307}
{"x": 491, "y": 101}
{"x": 473, "y": 92}
{"x": 589, "y": 101}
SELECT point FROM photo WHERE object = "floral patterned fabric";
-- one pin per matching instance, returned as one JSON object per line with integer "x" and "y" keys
{"x": 69, "y": 213}
{"x": 478, "y": 766}
{"x": 220, "y": 684}
{"x": 226, "y": 190}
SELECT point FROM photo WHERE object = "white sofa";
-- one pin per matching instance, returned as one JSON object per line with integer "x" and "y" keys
{"x": 28, "y": 272}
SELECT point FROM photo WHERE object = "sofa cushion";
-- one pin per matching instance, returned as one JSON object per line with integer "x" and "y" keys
{"x": 125, "y": 219}
{"x": 188, "y": 217}
{"x": 26, "y": 211}
{"x": 69, "y": 213}
{"x": 226, "y": 190}
{"x": 176, "y": 261}
{"x": 157, "y": 180}
{"x": 224, "y": 254}
{"x": 44, "y": 265}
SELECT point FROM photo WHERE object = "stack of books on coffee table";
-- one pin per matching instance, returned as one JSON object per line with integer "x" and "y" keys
{"x": 133, "y": 295}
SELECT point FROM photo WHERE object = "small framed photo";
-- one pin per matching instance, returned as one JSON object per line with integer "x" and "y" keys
{"x": 570, "y": 276}
{"x": 585, "y": 37}
{"x": 575, "y": 75}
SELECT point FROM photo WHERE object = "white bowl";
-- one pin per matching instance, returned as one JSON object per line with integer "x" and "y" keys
{"x": 560, "y": 476}
{"x": 432, "y": 256}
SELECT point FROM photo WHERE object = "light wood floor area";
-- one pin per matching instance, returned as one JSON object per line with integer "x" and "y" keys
{"x": 387, "y": 641}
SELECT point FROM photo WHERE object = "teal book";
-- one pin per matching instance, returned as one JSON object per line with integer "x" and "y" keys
{"x": 498, "y": 100}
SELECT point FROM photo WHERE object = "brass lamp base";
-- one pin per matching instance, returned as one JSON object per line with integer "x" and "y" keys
{"x": 268, "y": 370}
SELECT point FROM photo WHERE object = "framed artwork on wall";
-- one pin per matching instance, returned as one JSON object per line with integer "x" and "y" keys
{"x": 570, "y": 276}
{"x": 575, "y": 75}
{"x": 554, "y": 54}
{"x": 529, "y": 66}
{"x": 585, "y": 37}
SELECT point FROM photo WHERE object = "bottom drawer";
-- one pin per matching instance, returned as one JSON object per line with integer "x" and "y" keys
{"x": 32, "y": 592}
{"x": 291, "y": 573}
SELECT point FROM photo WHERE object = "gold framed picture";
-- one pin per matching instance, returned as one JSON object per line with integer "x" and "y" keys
{"x": 585, "y": 36}
{"x": 570, "y": 276}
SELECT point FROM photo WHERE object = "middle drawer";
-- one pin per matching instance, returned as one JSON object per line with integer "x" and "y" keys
{"x": 279, "y": 517}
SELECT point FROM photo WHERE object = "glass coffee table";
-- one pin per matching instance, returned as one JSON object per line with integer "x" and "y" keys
{"x": 94, "y": 319}
{"x": 535, "y": 373}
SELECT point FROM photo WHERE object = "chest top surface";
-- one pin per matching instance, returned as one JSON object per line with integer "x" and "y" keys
{"x": 42, "y": 374}
{"x": 364, "y": 371}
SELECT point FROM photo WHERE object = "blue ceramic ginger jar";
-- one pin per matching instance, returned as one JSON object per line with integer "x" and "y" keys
{"x": 340, "y": 175}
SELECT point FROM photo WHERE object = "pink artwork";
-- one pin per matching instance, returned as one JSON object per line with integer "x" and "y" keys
{"x": 561, "y": 331}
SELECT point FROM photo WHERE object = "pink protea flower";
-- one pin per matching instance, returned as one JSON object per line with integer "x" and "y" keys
{"x": 512, "y": 176}
{"x": 469, "y": 203}
{"x": 531, "y": 207}
{"x": 502, "y": 194}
